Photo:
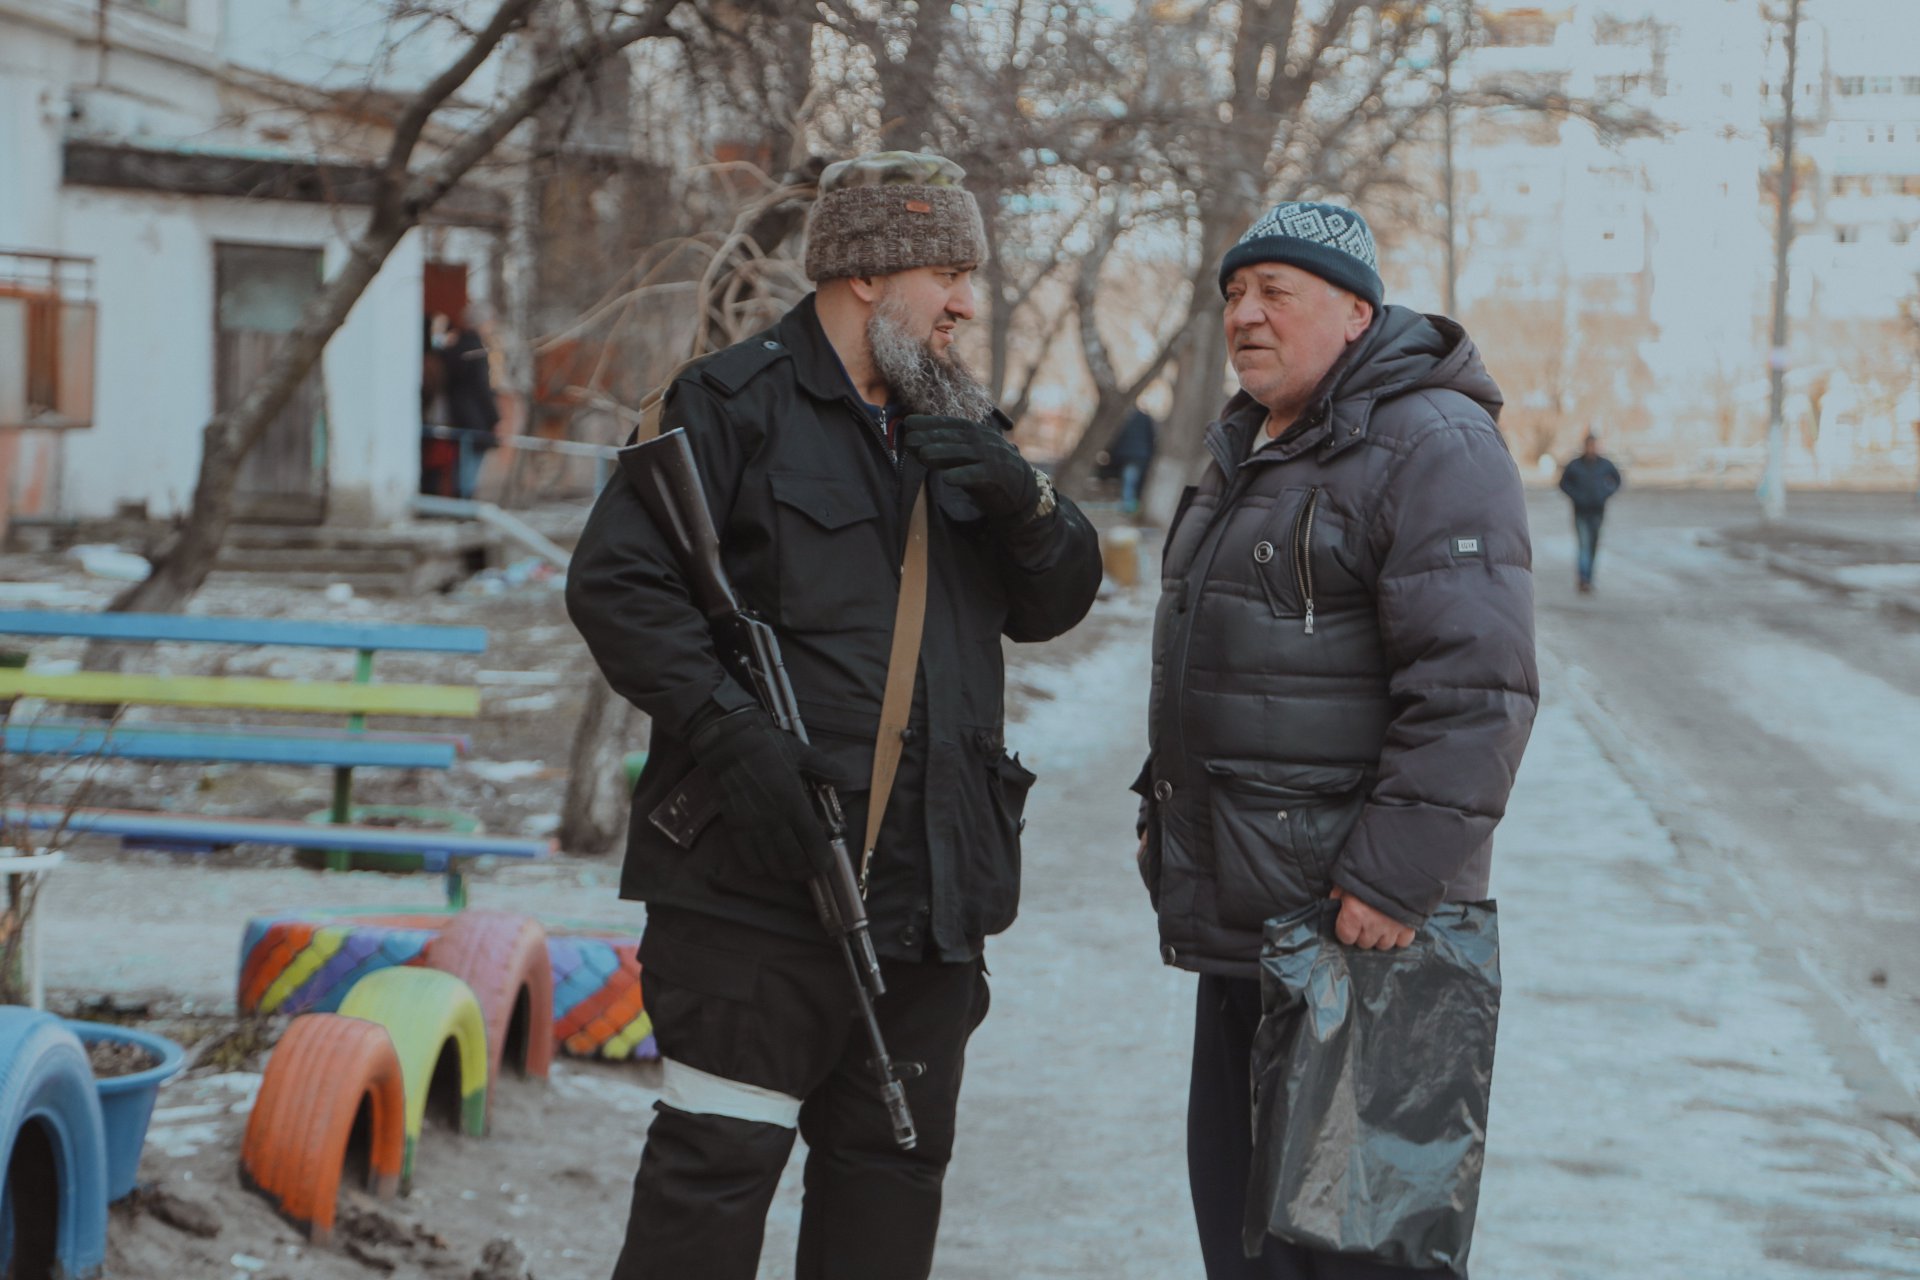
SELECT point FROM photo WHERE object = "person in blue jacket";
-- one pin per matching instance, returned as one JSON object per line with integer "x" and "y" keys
{"x": 1588, "y": 481}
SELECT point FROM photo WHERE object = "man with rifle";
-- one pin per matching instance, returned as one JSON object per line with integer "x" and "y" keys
{"x": 832, "y": 656}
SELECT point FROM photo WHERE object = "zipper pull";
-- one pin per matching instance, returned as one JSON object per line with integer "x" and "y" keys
{"x": 1309, "y": 617}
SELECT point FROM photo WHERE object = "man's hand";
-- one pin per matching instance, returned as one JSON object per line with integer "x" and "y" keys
{"x": 1362, "y": 926}
{"x": 762, "y": 772}
{"x": 977, "y": 457}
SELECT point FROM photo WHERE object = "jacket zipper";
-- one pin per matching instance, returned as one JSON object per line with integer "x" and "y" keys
{"x": 1303, "y": 552}
{"x": 1203, "y": 557}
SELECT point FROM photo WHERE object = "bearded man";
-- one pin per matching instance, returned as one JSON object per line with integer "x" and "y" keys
{"x": 813, "y": 439}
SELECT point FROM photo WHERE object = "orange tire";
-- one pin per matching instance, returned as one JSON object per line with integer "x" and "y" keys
{"x": 325, "y": 1075}
{"x": 503, "y": 957}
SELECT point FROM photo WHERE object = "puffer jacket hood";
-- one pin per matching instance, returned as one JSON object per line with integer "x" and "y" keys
{"x": 1402, "y": 352}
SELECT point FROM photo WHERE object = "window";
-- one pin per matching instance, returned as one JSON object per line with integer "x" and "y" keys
{"x": 1846, "y": 235}
{"x": 1851, "y": 86}
{"x": 1910, "y": 185}
{"x": 1879, "y": 84}
{"x": 1910, "y": 84}
{"x": 47, "y": 315}
{"x": 174, "y": 11}
{"x": 1519, "y": 28}
{"x": 1608, "y": 30}
{"x": 1901, "y": 233}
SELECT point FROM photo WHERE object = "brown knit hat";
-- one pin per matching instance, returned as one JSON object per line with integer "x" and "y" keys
{"x": 891, "y": 211}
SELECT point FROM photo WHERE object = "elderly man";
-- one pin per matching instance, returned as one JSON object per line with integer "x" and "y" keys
{"x": 1343, "y": 675}
{"x": 813, "y": 439}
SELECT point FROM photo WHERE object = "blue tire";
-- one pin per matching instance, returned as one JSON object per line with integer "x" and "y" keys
{"x": 53, "y": 1152}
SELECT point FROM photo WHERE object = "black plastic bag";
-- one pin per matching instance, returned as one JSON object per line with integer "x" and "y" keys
{"x": 1371, "y": 1075}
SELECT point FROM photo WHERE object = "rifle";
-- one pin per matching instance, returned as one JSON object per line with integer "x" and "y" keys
{"x": 662, "y": 472}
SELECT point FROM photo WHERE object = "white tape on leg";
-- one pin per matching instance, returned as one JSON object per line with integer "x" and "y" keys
{"x": 702, "y": 1093}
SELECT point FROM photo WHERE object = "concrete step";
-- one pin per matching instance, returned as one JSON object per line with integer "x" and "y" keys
{"x": 371, "y": 560}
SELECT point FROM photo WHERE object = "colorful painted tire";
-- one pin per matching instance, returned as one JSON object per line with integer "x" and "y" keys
{"x": 331, "y": 1079}
{"x": 503, "y": 958}
{"x": 53, "y": 1151}
{"x": 307, "y": 964}
{"x": 597, "y": 1009}
{"x": 441, "y": 1038}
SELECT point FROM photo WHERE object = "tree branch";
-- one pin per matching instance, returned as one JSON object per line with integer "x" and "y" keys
{"x": 438, "y": 178}
{"x": 413, "y": 121}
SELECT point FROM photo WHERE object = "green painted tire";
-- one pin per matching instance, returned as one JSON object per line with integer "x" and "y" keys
{"x": 429, "y": 1014}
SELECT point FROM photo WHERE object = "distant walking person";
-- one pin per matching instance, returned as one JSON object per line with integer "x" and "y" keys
{"x": 1588, "y": 481}
{"x": 1132, "y": 452}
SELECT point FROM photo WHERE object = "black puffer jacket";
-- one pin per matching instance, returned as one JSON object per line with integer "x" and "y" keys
{"x": 1343, "y": 667}
{"x": 812, "y": 514}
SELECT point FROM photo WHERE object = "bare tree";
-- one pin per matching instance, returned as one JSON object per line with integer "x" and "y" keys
{"x": 408, "y": 185}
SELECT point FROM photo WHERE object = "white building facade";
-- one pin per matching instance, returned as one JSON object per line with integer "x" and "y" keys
{"x": 188, "y": 166}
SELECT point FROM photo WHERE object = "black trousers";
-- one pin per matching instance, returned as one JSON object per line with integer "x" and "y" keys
{"x": 776, "y": 1013}
{"x": 1220, "y": 1149}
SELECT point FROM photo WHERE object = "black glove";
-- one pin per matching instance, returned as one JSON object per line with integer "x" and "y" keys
{"x": 762, "y": 772}
{"x": 977, "y": 457}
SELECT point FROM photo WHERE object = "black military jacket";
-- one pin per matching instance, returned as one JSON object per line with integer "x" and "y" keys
{"x": 812, "y": 512}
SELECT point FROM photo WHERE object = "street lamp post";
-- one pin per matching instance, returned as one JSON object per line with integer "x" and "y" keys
{"x": 1773, "y": 485}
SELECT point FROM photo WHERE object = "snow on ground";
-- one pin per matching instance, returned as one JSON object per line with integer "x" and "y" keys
{"x": 1665, "y": 1106}
{"x": 1827, "y": 706}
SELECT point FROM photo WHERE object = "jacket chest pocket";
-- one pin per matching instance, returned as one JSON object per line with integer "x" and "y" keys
{"x": 1292, "y": 554}
{"x": 1276, "y": 832}
{"x": 835, "y": 573}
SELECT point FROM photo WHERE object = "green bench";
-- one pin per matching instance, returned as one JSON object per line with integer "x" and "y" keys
{"x": 343, "y": 748}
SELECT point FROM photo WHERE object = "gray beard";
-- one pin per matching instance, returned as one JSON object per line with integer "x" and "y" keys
{"x": 920, "y": 380}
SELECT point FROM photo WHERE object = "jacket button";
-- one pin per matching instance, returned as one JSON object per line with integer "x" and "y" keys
{"x": 910, "y": 936}
{"x": 1167, "y": 955}
{"x": 1163, "y": 791}
{"x": 909, "y": 733}
{"x": 1262, "y": 552}
{"x": 771, "y": 345}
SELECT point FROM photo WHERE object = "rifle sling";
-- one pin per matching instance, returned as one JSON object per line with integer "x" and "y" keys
{"x": 896, "y": 704}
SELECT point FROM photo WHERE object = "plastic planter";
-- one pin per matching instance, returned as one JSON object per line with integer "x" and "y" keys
{"x": 126, "y": 1102}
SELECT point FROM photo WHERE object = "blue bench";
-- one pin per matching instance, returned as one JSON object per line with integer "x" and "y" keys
{"x": 341, "y": 748}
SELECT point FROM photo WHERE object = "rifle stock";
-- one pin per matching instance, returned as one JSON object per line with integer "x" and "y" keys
{"x": 663, "y": 474}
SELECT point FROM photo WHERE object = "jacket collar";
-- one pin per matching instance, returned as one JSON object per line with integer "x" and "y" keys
{"x": 1400, "y": 350}
{"x": 816, "y": 364}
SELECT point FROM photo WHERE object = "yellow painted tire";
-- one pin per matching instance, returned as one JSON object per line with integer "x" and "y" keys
{"x": 433, "y": 1018}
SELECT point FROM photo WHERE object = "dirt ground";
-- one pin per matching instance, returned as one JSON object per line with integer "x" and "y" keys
{"x": 544, "y": 1194}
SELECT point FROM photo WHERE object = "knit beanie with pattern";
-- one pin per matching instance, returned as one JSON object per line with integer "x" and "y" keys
{"x": 1331, "y": 242}
{"x": 891, "y": 211}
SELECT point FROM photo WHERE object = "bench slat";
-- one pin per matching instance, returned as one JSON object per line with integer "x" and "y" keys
{"x": 249, "y": 748}
{"x": 169, "y": 627}
{"x": 299, "y": 835}
{"x": 250, "y": 693}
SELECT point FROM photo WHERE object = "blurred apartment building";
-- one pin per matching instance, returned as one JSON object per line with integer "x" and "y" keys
{"x": 1624, "y": 284}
